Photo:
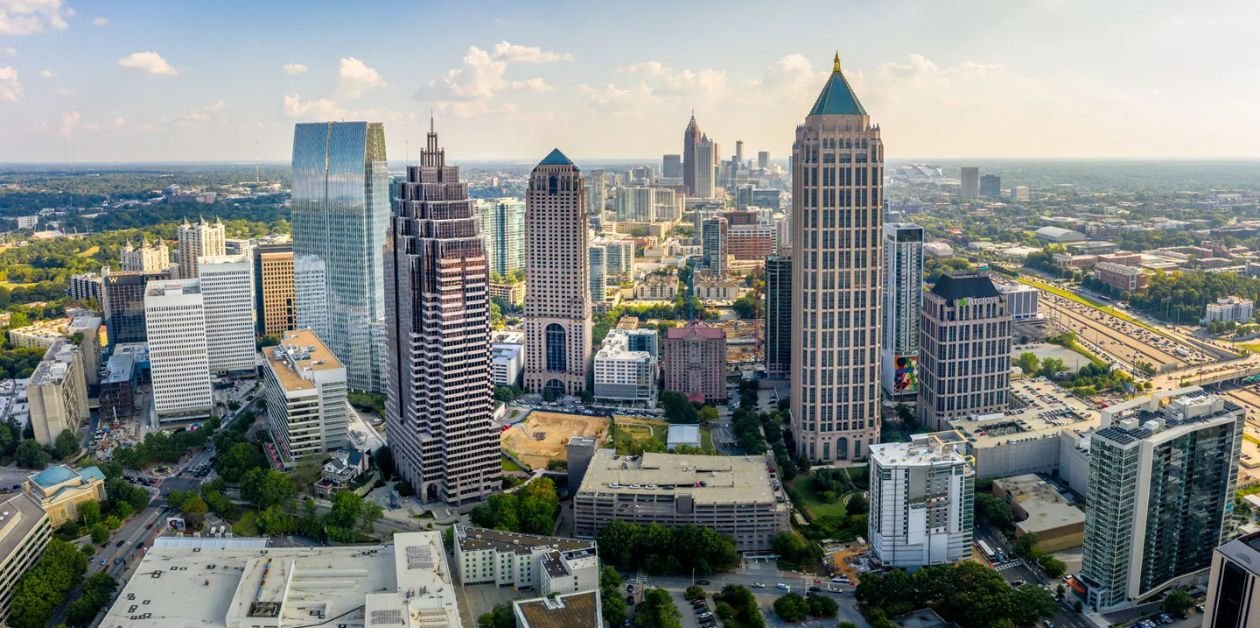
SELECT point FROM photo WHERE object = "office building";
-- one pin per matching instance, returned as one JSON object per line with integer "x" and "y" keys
{"x": 60, "y": 491}
{"x": 922, "y": 500}
{"x": 741, "y": 498}
{"x": 1161, "y": 490}
{"x": 1039, "y": 508}
{"x": 694, "y": 362}
{"x": 438, "y": 406}
{"x": 964, "y": 350}
{"x": 903, "y": 305}
{"x": 511, "y": 292}
{"x": 85, "y": 287}
{"x": 307, "y": 408}
{"x": 708, "y": 154}
{"x": 197, "y": 240}
{"x": 713, "y": 241}
{"x": 763, "y": 159}
{"x": 597, "y": 196}
{"x": 691, "y": 137}
{"x": 1233, "y": 594}
{"x": 57, "y": 392}
{"x": 570, "y": 609}
{"x": 1019, "y": 193}
{"x": 507, "y": 357}
{"x": 635, "y": 204}
{"x": 749, "y": 243}
{"x": 227, "y": 291}
{"x": 310, "y": 294}
{"x": 179, "y": 357}
{"x": 24, "y": 533}
{"x": 990, "y": 185}
{"x": 1123, "y": 277}
{"x": 341, "y": 214}
{"x": 557, "y": 278}
{"x": 623, "y": 375}
{"x": 1021, "y": 300}
{"x": 778, "y": 316}
{"x": 503, "y": 227}
{"x": 242, "y": 583}
{"x": 146, "y": 258}
{"x": 122, "y": 295}
{"x": 837, "y": 279}
{"x": 1231, "y": 308}
{"x": 672, "y": 167}
{"x": 549, "y": 565}
{"x": 119, "y": 381}
{"x": 274, "y": 300}
{"x": 970, "y": 179}
{"x": 597, "y": 262}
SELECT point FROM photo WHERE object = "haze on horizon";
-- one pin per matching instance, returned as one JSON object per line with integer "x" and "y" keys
{"x": 183, "y": 81}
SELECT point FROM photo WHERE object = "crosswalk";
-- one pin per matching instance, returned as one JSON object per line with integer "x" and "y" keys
{"x": 1019, "y": 562}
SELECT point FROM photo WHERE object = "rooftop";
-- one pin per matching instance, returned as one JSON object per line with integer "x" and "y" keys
{"x": 172, "y": 287}
{"x": 54, "y": 475}
{"x": 954, "y": 286}
{"x": 299, "y": 354}
{"x": 1044, "y": 410}
{"x": 706, "y": 479}
{"x": 837, "y": 97}
{"x": 56, "y": 363}
{"x": 1245, "y": 551}
{"x": 1046, "y": 507}
{"x": 472, "y": 539}
{"x": 19, "y": 514}
{"x": 555, "y": 158}
{"x": 691, "y": 330}
{"x": 923, "y": 449}
{"x": 574, "y": 610}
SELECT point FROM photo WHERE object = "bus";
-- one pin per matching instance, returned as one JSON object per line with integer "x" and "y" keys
{"x": 988, "y": 551}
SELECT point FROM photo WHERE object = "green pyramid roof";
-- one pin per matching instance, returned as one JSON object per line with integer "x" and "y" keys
{"x": 555, "y": 158}
{"x": 837, "y": 98}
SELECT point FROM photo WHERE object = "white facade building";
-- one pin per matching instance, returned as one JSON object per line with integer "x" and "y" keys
{"x": 179, "y": 358}
{"x": 1230, "y": 308}
{"x": 623, "y": 375}
{"x": 227, "y": 288}
{"x": 507, "y": 357}
{"x": 306, "y": 396}
{"x": 1021, "y": 300}
{"x": 922, "y": 498}
{"x": 549, "y": 565}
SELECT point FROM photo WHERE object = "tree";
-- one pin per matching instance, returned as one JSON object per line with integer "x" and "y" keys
{"x": 791, "y": 607}
{"x": 1051, "y": 367}
{"x": 694, "y": 592}
{"x": 38, "y": 592}
{"x": 1028, "y": 362}
{"x": 66, "y": 445}
{"x": 1060, "y": 591}
{"x": 611, "y": 602}
{"x": 500, "y": 617}
{"x": 90, "y": 513}
{"x": 791, "y": 546}
{"x": 267, "y": 488}
{"x": 98, "y": 590}
{"x": 30, "y": 455}
{"x": 100, "y": 533}
{"x": 993, "y": 510}
{"x": 549, "y": 395}
{"x": 194, "y": 509}
{"x": 1177, "y": 603}
{"x": 822, "y": 606}
{"x": 237, "y": 460}
{"x": 708, "y": 414}
{"x": 657, "y": 611}
{"x": 678, "y": 409}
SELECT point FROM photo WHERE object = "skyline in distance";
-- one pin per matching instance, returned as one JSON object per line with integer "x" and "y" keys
{"x": 982, "y": 79}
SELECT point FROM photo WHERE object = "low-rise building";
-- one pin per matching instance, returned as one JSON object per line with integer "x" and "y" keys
{"x": 1021, "y": 300}
{"x": 307, "y": 406}
{"x": 507, "y": 357}
{"x": 739, "y": 497}
{"x": 340, "y": 470}
{"x": 25, "y": 530}
{"x": 573, "y": 610}
{"x": 622, "y": 375}
{"x": 1231, "y": 308}
{"x": 550, "y": 565}
{"x": 39, "y": 335}
{"x": 656, "y": 287}
{"x": 682, "y": 435}
{"x": 60, "y": 490}
{"x": 710, "y": 287}
{"x": 1121, "y": 277}
{"x": 1040, "y": 509}
{"x": 922, "y": 501}
{"x": 513, "y": 293}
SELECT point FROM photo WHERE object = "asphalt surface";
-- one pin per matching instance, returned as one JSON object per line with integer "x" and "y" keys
{"x": 1015, "y": 570}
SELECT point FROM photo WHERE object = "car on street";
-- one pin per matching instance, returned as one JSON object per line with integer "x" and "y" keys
{"x": 702, "y": 582}
{"x": 782, "y": 587}
{"x": 120, "y": 543}
{"x": 758, "y": 585}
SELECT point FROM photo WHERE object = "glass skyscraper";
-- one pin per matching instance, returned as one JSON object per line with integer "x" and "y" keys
{"x": 503, "y": 227}
{"x": 340, "y": 214}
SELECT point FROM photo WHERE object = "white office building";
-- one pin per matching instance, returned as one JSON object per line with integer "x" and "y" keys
{"x": 306, "y": 396}
{"x": 1021, "y": 300}
{"x": 623, "y": 375}
{"x": 179, "y": 359}
{"x": 507, "y": 357}
{"x": 547, "y": 564}
{"x": 922, "y": 498}
{"x": 227, "y": 288}
{"x": 1231, "y": 308}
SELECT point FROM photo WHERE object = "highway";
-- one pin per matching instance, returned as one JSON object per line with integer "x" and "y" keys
{"x": 1124, "y": 341}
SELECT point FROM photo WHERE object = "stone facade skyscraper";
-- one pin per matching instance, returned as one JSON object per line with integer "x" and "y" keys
{"x": 837, "y": 283}
{"x": 202, "y": 239}
{"x": 557, "y": 279}
{"x": 438, "y": 400}
{"x": 691, "y": 137}
{"x": 341, "y": 214}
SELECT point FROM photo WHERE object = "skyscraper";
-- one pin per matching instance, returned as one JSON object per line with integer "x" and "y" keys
{"x": 990, "y": 185}
{"x": 122, "y": 298}
{"x": 557, "y": 279}
{"x": 227, "y": 291}
{"x": 202, "y": 239}
{"x": 274, "y": 300}
{"x": 705, "y": 171}
{"x": 146, "y": 258}
{"x": 779, "y": 315}
{"x": 341, "y": 213}
{"x": 1233, "y": 593}
{"x": 922, "y": 500}
{"x": 671, "y": 167}
{"x": 903, "y": 305}
{"x": 310, "y": 294}
{"x": 597, "y": 260}
{"x": 503, "y": 227}
{"x": 970, "y": 178}
{"x": 691, "y": 137}
{"x": 714, "y": 234}
{"x": 438, "y": 402}
{"x": 763, "y": 159}
{"x": 178, "y": 355}
{"x": 837, "y": 279}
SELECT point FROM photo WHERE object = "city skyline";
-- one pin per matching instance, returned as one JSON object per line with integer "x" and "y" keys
{"x": 983, "y": 80}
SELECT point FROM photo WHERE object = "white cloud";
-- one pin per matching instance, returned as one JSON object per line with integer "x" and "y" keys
{"x": 199, "y": 115}
{"x": 476, "y": 87}
{"x": 148, "y": 62}
{"x": 100, "y": 21}
{"x": 610, "y": 96}
{"x": 322, "y": 109}
{"x": 11, "y": 51}
{"x": 357, "y": 77}
{"x": 708, "y": 84}
{"x": 10, "y": 86}
{"x": 27, "y": 17}
{"x": 69, "y": 120}
{"x": 47, "y": 74}
{"x": 119, "y": 121}
{"x": 514, "y": 53}
{"x": 294, "y": 68}
{"x": 65, "y": 91}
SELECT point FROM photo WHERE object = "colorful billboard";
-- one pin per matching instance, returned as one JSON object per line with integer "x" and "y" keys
{"x": 905, "y": 374}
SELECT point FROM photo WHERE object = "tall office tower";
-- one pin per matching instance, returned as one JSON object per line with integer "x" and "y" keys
{"x": 597, "y": 260}
{"x": 1233, "y": 593}
{"x": 122, "y": 297}
{"x": 1161, "y": 489}
{"x": 147, "y": 258}
{"x": 557, "y": 279}
{"x": 306, "y": 396}
{"x": 227, "y": 291}
{"x": 310, "y": 294}
{"x": 341, "y": 213}
{"x": 922, "y": 499}
{"x": 837, "y": 279}
{"x": 202, "y": 239}
{"x": 597, "y": 193}
{"x": 274, "y": 300}
{"x": 903, "y": 306}
{"x": 964, "y": 350}
{"x": 179, "y": 359}
{"x": 779, "y": 315}
{"x": 763, "y": 159}
{"x": 438, "y": 405}
{"x": 503, "y": 227}
{"x": 705, "y": 172}
{"x": 990, "y": 185}
{"x": 739, "y": 153}
{"x": 970, "y": 178}
{"x": 714, "y": 234}
{"x": 671, "y": 167}
{"x": 691, "y": 137}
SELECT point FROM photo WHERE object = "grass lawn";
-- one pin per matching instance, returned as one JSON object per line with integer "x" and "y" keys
{"x": 10, "y": 284}
{"x": 89, "y": 252}
{"x": 816, "y": 506}
{"x": 706, "y": 439}
{"x": 1251, "y": 345}
{"x": 1068, "y": 294}
{"x": 247, "y": 526}
{"x": 510, "y": 467}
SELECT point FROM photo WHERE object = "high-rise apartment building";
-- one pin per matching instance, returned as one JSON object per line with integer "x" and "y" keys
{"x": 438, "y": 403}
{"x": 705, "y": 172}
{"x": 964, "y": 350}
{"x": 557, "y": 278}
{"x": 990, "y": 185}
{"x": 837, "y": 278}
{"x": 597, "y": 261}
{"x": 714, "y": 234}
{"x": 306, "y": 396}
{"x": 274, "y": 300}
{"x": 227, "y": 291}
{"x": 691, "y": 137}
{"x": 503, "y": 228}
{"x": 970, "y": 178}
{"x": 341, "y": 214}
{"x": 622, "y": 374}
{"x": 922, "y": 500}
{"x": 693, "y": 359}
{"x": 57, "y": 392}
{"x": 179, "y": 359}
{"x": 618, "y": 257}
{"x": 779, "y": 315}
{"x": 903, "y": 307}
{"x": 1161, "y": 489}
{"x": 122, "y": 297}
{"x": 146, "y": 258}
{"x": 671, "y": 167}
{"x": 197, "y": 240}
{"x": 596, "y": 195}
{"x": 1233, "y": 594}
{"x": 310, "y": 294}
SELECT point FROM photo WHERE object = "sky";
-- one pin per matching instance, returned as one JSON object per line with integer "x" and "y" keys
{"x": 175, "y": 80}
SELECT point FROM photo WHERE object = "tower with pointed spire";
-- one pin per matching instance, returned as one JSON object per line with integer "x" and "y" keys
{"x": 837, "y": 281}
{"x": 146, "y": 258}
{"x": 691, "y": 137}
{"x": 557, "y": 279}
{"x": 201, "y": 239}
{"x": 437, "y": 323}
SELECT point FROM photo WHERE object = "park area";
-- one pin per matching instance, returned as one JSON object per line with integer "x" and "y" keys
{"x": 543, "y": 436}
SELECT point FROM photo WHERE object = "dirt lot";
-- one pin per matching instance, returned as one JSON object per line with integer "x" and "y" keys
{"x": 543, "y": 436}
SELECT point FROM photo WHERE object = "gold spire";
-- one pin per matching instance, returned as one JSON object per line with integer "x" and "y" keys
{"x": 835, "y": 66}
